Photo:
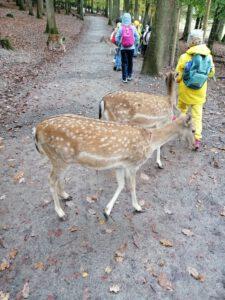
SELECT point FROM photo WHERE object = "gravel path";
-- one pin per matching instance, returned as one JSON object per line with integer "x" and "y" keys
{"x": 67, "y": 260}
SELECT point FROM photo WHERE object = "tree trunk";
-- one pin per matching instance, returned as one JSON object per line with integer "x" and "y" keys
{"x": 116, "y": 9}
{"x": 205, "y": 22}
{"x": 136, "y": 10}
{"x": 157, "y": 52}
{"x": 197, "y": 22}
{"x": 51, "y": 23}
{"x": 30, "y": 7}
{"x": 219, "y": 33}
{"x": 107, "y": 8}
{"x": 39, "y": 9}
{"x": 175, "y": 34}
{"x": 201, "y": 21}
{"x": 215, "y": 27}
{"x": 126, "y": 6}
{"x": 92, "y": 6}
{"x": 21, "y": 5}
{"x": 110, "y": 12}
{"x": 82, "y": 9}
{"x": 146, "y": 15}
{"x": 223, "y": 39}
{"x": 187, "y": 27}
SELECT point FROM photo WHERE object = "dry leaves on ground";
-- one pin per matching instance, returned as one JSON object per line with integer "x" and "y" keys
{"x": 92, "y": 199}
{"x": 39, "y": 265}
{"x": 73, "y": 228}
{"x": 166, "y": 243}
{"x": 85, "y": 274}
{"x": 222, "y": 213}
{"x": 120, "y": 253}
{"x": 19, "y": 177}
{"x": 4, "y": 296}
{"x": 164, "y": 282}
{"x": 114, "y": 288}
{"x": 187, "y": 232}
{"x": 4, "y": 265}
{"x": 144, "y": 177}
{"x": 13, "y": 253}
{"x": 194, "y": 273}
{"x": 108, "y": 270}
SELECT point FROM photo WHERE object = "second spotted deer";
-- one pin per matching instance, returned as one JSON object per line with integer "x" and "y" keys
{"x": 141, "y": 109}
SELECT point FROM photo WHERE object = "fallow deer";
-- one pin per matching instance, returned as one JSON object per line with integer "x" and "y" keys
{"x": 142, "y": 109}
{"x": 68, "y": 139}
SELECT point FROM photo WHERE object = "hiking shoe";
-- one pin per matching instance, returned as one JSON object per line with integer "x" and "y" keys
{"x": 197, "y": 145}
{"x": 124, "y": 80}
{"x": 114, "y": 68}
{"x": 129, "y": 78}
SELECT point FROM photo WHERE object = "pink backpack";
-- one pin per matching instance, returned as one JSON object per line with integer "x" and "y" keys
{"x": 127, "y": 40}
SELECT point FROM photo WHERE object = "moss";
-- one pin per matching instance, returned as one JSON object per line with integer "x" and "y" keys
{"x": 6, "y": 44}
{"x": 9, "y": 15}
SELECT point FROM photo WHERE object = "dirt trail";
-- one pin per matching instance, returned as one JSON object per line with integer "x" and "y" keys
{"x": 188, "y": 193}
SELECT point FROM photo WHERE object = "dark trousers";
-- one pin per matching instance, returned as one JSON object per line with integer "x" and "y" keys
{"x": 127, "y": 63}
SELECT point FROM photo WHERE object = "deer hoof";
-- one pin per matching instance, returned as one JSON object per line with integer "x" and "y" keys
{"x": 159, "y": 165}
{"x": 64, "y": 218}
{"x": 105, "y": 215}
{"x": 69, "y": 198}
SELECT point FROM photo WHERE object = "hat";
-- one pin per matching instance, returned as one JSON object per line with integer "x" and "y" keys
{"x": 136, "y": 23}
{"x": 126, "y": 19}
{"x": 195, "y": 37}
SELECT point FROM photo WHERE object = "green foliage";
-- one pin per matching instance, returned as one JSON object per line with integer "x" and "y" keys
{"x": 6, "y": 44}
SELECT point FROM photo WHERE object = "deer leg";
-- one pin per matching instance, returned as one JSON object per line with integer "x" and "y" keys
{"x": 60, "y": 188}
{"x": 53, "y": 181}
{"x": 158, "y": 159}
{"x": 120, "y": 176}
{"x": 131, "y": 174}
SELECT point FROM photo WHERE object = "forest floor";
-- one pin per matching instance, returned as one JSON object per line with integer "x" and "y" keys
{"x": 83, "y": 257}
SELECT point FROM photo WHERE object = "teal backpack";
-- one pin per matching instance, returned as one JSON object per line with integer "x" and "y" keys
{"x": 196, "y": 71}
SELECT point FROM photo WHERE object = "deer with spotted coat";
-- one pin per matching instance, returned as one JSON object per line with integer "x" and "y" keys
{"x": 69, "y": 139}
{"x": 141, "y": 109}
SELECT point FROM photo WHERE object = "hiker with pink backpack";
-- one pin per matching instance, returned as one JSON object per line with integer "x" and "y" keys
{"x": 127, "y": 37}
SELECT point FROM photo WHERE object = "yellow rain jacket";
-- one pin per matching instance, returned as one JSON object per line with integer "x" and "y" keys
{"x": 186, "y": 94}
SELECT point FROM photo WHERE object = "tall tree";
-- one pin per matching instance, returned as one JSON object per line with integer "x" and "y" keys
{"x": 158, "y": 50}
{"x": 216, "y": 22}
{"x": 208, "y": 5}
{"x": 21, "y": 5}
{"x": 107, "y": 8}
{"x": 174, "y": 34}
{"x": 187, "y": 27}
{"x": 116, "y": 9}
{"x": 219, "y": 33}
{"x": 51, "y": 23}
{"x": 146, "y": 15}
{"x": 39, "y": 9}
{"x": 136, "y": 10}
{"x": 30, "y": 7}
{"x": 126, "y": 5}
{"x": 110, "y": 12}
{"x": 92, "y": 6}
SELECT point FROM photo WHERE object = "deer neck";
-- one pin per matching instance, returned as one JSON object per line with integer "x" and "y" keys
{"x": 163, "y": 135}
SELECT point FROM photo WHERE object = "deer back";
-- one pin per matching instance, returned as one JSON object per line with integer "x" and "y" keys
{"x": 94, "y": 143}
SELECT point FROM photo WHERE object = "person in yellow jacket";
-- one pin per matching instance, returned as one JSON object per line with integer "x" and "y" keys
{"x": 188, "y": 97}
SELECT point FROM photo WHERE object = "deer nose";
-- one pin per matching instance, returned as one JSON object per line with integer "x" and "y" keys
{"x": 193, "y": 130}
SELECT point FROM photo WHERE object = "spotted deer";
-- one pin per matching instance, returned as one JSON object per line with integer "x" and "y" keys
{"x": 142, "y": 109}
{"x": 69, "y": 139}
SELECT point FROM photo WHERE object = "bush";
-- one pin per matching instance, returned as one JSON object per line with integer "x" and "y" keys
{"x": 9, "y": 15}
{"x": 6, "y": 44}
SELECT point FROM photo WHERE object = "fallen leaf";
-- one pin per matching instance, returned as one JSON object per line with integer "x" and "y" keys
{"x": 18, "y": 176}
{"x": 101, "y": 221}
{"x": 166, "y": 243}
{"x": 4, "y": 265}
{"x": 26, "y": 290}
{"x": 187, "y": 232}
{"x": 222, "y": 213}
{"x": 108, "y": 270}
{"x": 73, "y": 228}
{"x": 164, "y": 282}
{"x": 145, "y": 177}
{"x": 92, "y": 199}
{"x": 4, "y": 296}
{"x": 39, "y": 266}
{"x": 167, "y": 211}
{"x": 92, "y": 211}
{"x": 108, "y": 230}
{"x": 114, "y": 288}
{"x": 85, "y": 274}
{"x": 120, "y": 253}
{"x": 194, "y": 273}
{"x": 13, "y": 253}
